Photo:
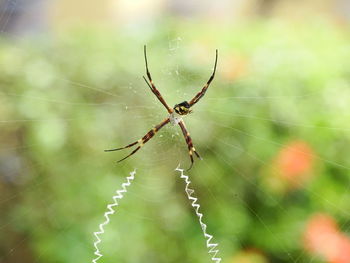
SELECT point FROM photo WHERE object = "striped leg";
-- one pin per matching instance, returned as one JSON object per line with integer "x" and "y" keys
{"x": 188, "y": 139}
{"x": 153, "y": 87}
{"x": 143, "y": 140}
{"x": 204, "y": 89}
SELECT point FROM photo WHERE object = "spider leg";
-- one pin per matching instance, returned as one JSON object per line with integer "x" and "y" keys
{"x": 134, "y": 151}
{"x": 204, "y": 89}
{"x": 188, "y": 140}
{"x": 143, "y": 140}
{"x": 152, "y": 86}
{"x": 117, "y": 149}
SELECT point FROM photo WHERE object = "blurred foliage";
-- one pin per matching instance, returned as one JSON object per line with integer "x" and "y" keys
{"x": 64, "y": 99}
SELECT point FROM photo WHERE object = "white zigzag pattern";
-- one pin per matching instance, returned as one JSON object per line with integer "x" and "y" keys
{"x": 211, "y": 246}
{"x": 119, "y": 195}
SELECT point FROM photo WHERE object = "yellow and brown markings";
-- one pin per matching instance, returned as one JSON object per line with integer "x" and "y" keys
{"x": 183, "y": 108}
{"x": 189, "y": 142}
{"x": 141, "y": 142}
{"x": 200, "y": 94}
{"x": 152, "y": 132}
{"x": 152, "y": 86}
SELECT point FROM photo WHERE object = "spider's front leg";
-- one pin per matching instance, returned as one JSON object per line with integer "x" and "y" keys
{"x": 152, "y": 86}
{"x": 188, "y": 140}
{"x": 200, "y": 94}
{"x": 149, "y": 135}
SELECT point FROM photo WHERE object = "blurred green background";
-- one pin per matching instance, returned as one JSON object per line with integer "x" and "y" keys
{"x": 273, "y": 130}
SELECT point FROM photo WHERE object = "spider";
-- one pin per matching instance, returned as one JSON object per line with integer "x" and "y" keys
{"x": 175, "y": 115}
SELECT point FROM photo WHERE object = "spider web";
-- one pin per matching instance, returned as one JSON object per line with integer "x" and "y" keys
{"x": 48, "y": 188}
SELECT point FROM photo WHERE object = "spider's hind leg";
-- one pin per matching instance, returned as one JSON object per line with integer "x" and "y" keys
{"x": 197, "y": 154}
{"x": 117, "y": 149}
{"x": 143, "y": 140}
{"x": 189, "y": 143}
{"x": 191, "y": 151}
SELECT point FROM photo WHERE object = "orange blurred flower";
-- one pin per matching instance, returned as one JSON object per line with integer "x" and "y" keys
{"x": 291, "y": 168}
{"x": 294, "y": 164}
{"x": 322, "y": 237}
{"x": 295, "y": 160}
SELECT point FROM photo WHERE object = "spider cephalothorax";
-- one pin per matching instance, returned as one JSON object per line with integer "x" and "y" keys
{"x": 182, "y": 108}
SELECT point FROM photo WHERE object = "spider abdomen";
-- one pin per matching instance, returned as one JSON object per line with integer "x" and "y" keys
{"x": 182, "y": 108}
